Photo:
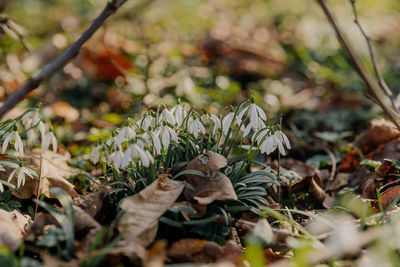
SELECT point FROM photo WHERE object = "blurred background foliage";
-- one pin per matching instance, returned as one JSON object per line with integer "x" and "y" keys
{"x": 211, "y": 53}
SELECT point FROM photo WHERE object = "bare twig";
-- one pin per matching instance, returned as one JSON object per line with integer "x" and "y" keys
{"x": 375, "y": 92}
{"x": 62, "y": 59}
{"x": 378, "y": 74}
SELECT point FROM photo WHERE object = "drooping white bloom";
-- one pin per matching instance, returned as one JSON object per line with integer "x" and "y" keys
{"x": 42, "y": 130}
{"x": 179, "y": 113}
{"x": 272, "y": 142}
{"x": 216, "y": 123}
{"x": 256, "y": 127}
{"x": 166, "y": 134}
{"x": 116, "y": 159}
{"x": 30, "y": 119}
{"x": 49, "y": 139}
{"x": 283, "y": 138}
{"x": 125, "y": 133}
{"x": 1, "y": 187}
{"x": 195, "y": 126}
{"x": 136, "y": 152}
{"x": 95, "y": 155}
{"x": 20, "y": 172}
{"x": 146, "y": 122}
{"x": 13, "y": 137}
{"x": 227, "y": 121}
{"x": 254, "y": 112}
{"x": 31, "y": 136}
{"x": 152, "y": 138}
{"x": 167, "y": 116}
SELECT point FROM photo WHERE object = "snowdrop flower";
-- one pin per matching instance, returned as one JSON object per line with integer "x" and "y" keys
{"x": 154, "y": 139}
{"x": 31, "y": 136}
{"x": 255, "y": 114}
{"x": 135, "y": 152}
{"x": 272, "y": 142}
{"x": 116, "y": 158}
{"x": 227, "y": 121}
{"x": 195, "y": 126}
{"x": 180, "y": 114}
{"x": 30, "y": 119}
{"x": 95, "y": 156}
{"x": 1, "y": 187}
{"x": 49, "y": 139}
{"x": 15, "y": 139}
{"x": 20, "y": 172}
{"x": 255, "y": 126}
{"x": 166, "y": 134}
{"x": 125, "y": 132}
{"x": 167, "y": 116}
{"x": 146, "y": 122}
{"x": 42, "y": 130}
{"x": 217, "y": 123}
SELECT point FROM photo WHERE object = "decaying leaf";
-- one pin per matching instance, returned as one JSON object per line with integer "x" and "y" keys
{"x": 390, "y": 195}
{"x": 140, "y": 220}
{"x": 302, "y": 177}
{"x": 92, "y": 202}
{"x": 381, "y": 131}
{"x": 202, "y": 251}
{"x": 156, "y": 255}
{"x": 54, "y": 171}
{"x": 12, "y": 228}
{"x": 215, "y": 187}
{"x": 194, "y": 250}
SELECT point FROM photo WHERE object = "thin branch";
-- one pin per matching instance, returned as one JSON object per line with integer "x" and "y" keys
{"x": 374, "y": 90}
{"x": 62, "y": 60}
{"x": 378, "y": 74}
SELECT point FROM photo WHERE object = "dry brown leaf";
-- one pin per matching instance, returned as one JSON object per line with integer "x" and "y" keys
{"x": 216, "y": 186}
{"x": 310, "y": 180}
{"x": 12, "y": 228}
{"x": 140, "y": 220}
{"x": 389, "y": 195}
{"x": 381, "y": 131}
{"x": 66, "y": 111}
{"x": 194, "y": 250}
{"x": 54, "y": 171}
{"x": 92, "y": 202}
{"x": 156, "y": 255}
{"x": 206, "y": 191}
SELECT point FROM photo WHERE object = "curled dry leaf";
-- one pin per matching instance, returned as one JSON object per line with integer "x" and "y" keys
{"x": 306, "y": 179}
{"x": 12, "y": 228}
{"x": 216, "y": 186}
{"x": 92, "y": 202}
{"x": 54, "y": 171}
{"x": 389, "y": 196}
{"x": 140, "y": 220}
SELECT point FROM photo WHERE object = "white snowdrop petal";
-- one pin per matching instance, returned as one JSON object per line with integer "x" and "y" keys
{"x": 247, "y": 130}
{"x": 240, "y": 115}
{"x": 5, "y": 143}
{"x": 261, "y": 113}
{"x": 54, "y": 142}
{"x": 12, "y": 174}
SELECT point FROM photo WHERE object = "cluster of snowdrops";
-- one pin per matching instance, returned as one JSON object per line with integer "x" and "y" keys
{"x": 139, "y": 142}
